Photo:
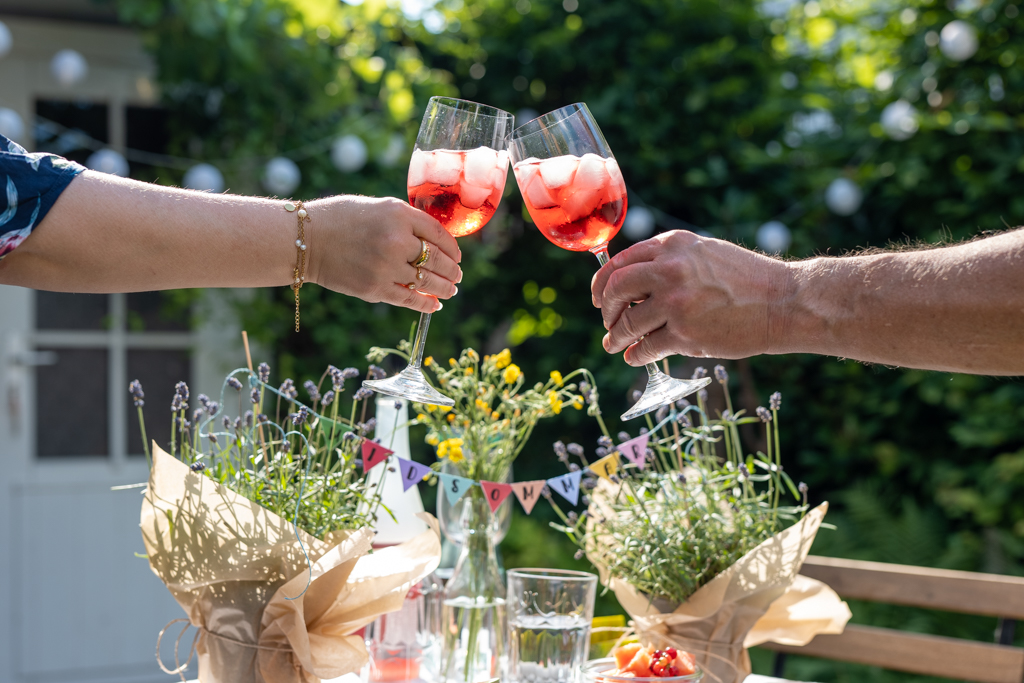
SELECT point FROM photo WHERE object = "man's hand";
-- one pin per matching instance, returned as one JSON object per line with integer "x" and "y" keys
{"x": 697, "y": 296}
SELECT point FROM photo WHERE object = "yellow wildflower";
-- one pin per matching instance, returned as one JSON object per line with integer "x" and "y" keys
{"x": 555, "y": 402}
{"x": 451, "y": 417}
{"x": 495, "y": 415}
{"x": 431, "y": 408}
{"x": 482, "y": 405}
{"x": 512, "y": 373}
{"x": 472, "y": 355}
{"x": 432, "y": 439}
{"x": 421, "y": 417}
{"x": 503, "y": 359}
{"x": 442, "y": 449}
{"x": 557, "y": 377}
{"x": 452, "y": 362}
{"x": 427, "y": 361}
{"x": 455, "y": 455}
{"x": 444, "y": 409}
{"x": 577, "y": 402}
{"x": 466, "y": 423}
{"x": 469, "y": 370}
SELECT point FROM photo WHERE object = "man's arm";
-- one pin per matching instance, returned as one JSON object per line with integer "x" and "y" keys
{"x": 107, "y": 234}
{"x": 956, "y": 309}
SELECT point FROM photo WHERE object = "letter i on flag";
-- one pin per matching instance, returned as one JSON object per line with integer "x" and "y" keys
{"x": 412, "y": 472}
{"x": 568, "y": 485}
{"x": 606, "y": 466}
{"x": 373, "y": 454}
{"x": 636, "y": 450}
{"x": 455, "y": 487}
{"x": 528, "y": 493}
{"x": 495, "y": 493}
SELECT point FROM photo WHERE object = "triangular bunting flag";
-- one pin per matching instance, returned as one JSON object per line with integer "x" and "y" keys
{"x": 412, "y": 472}
{"x": 606, "y": 466}
{"x": 567, "y": 485}
{"x": 636, "y": 449}
{"x": 455, "y": 487}
{"x": 373, "y": 454}
{"x": 495, "y": 493}
{"x": 528, "y": 493}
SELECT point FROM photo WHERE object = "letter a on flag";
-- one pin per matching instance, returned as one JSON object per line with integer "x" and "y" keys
{"x": 635, "y": 450}
{"x": 373, "y": 454}
{"x": 567, "y": 485}
{"x": 606, "y": 466}
{"x": 455, "y": 487}
{"x": 495, "y": 493}
{"x": 528, "y": 493}
{"x": 412, "y": 472}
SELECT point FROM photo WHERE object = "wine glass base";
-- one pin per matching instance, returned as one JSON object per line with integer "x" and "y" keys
{"x": 411, "y": 385}
{"x": 662, "y": 390}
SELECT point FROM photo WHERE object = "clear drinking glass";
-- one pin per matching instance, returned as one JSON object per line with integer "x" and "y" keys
{"x": 549, "y": 615}
{"x": 457, "y": 175}
{"x": 574, "y": 191}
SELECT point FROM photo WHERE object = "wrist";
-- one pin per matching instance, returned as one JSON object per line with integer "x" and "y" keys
{"x": 790, "y": 311}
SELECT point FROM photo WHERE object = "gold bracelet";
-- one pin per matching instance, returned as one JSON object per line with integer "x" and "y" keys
{"x": 300, "y": 253}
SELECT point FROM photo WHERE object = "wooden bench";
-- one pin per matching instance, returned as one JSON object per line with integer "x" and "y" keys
{"x": 963, "y": 592}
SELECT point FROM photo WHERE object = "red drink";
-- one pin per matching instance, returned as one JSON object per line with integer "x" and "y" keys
{"x": 579, "y": 203}
{"x": 461, "y": 189}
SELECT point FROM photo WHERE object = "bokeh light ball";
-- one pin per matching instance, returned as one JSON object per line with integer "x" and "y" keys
{"x": 281, "y": 176}
{"x": 394, "y": 152}
{"x": 11, "y": 125}
{"x": 773, "y": 237}
{"x": 69, "y": 67}
{"x": 639, "y": 223}
{"x": 349, "y": 153}
{"x": 899, "y": 120}
{"x": 108, "y": 161}
{"x": 958, "y": 40}
{"x": 843, "y": 197}
{"x": 205, "y": 178}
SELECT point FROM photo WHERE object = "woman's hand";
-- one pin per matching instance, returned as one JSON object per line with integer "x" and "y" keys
{"x": 363, "y": 247}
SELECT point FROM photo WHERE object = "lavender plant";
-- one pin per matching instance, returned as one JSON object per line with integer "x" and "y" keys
{"x": 696, "y": 506}
{"x": 302, "y": 463}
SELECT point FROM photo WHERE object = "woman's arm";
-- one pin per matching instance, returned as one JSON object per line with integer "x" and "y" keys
{"x": 108, "y": 234}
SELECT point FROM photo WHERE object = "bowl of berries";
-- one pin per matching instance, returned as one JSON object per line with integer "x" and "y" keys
{"x": 637, "y": 663}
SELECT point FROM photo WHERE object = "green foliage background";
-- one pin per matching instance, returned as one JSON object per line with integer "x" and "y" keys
{"x": 705, "y": 105}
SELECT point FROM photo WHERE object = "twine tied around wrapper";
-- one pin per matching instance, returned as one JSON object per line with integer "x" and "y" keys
{"x": 179, "y": 667}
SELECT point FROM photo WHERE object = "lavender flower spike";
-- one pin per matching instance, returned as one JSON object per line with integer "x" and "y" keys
{"x": 135, "y": 389}
{"x": 775, "y": 401}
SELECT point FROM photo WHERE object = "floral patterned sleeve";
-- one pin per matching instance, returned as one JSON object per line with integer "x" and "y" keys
{"x": 31, "y": 183}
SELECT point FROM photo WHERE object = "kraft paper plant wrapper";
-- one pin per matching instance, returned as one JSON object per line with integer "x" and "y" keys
{"x": 231, "y": 564}
{"x": 757, "y": 599}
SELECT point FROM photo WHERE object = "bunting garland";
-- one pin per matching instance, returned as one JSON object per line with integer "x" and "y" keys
{"x": 526, "y": 492}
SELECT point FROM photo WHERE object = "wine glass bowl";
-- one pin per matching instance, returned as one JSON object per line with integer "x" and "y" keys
{"x": 457, "y": 175}
{"x": 574, "y": 191}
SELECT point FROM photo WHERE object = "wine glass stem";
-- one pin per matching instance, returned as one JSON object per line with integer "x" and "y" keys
{"x": 601, "y": 253}
{"x": 420, "y": 342}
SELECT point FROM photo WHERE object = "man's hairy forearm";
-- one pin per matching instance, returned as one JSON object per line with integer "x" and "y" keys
{"x": 956, "y": 309}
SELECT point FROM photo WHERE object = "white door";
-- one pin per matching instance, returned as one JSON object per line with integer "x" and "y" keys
{"x": 76, "y": 604}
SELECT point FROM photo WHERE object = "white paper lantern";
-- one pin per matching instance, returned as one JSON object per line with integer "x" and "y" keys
{"x": 69, "y": 67}
{"x": 958, "y": 40}
{"x": 773, "y": 237}
{"x": 11, "y": 125}
{"x": 5, "y": 39}
{"x": 281, "y": 176}
{"x": 205, "y": 178}
{"x": 639, "y": 223}
{"x": 843, "y": 197}
{"x": 394, "y": 152}
{"x": 108, "y": 161}
{"x": 899, "y": 120}
{"x": 348, "y": 153}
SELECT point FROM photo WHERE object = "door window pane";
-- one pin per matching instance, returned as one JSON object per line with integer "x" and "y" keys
{"x": 159, "y": 312}
{"x": 71, "y": 404}
{"x": 158, "y": 371}
{"x": 60, "y": 311}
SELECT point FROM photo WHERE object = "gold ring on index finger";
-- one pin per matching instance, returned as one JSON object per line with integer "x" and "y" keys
{"x": 424, "y": 254}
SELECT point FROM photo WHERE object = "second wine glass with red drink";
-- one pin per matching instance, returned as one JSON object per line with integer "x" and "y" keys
{"x": 574, "y": 191}
{"x": 457, "y": 175}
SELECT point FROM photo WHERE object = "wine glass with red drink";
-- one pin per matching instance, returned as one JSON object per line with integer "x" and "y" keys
{"x": 457, "y": 175}
{"x": 575, "y": 193}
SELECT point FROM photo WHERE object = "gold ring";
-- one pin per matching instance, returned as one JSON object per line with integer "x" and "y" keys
{"x": 412, "y": 286}
{"x": 419, "y": 273}
{"x": 424, "y": 254}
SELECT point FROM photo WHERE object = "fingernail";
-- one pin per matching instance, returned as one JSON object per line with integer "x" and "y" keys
{"x": 460, "y": 276}
{"x": 439, "y": 307}
{"x": 456, "y": 290}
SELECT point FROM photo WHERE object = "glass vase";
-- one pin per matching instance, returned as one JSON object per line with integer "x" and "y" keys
{"x": 473, "y": 615}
